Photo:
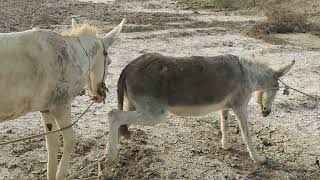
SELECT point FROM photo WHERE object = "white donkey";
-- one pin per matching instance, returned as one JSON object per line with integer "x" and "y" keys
{"x": 41, "y": 70}
{"x": 153, "y": 84}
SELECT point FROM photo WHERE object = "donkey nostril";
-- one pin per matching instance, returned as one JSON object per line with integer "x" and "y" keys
{"x": 95, "y": 98}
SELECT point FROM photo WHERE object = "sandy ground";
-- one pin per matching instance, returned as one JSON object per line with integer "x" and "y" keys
{"x": 182, "y": 147}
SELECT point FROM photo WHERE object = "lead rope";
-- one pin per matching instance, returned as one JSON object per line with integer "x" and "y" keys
{"x": 287, "y": 88}
{"x": 42, "y": 134}
{"x": 103, "y": 88}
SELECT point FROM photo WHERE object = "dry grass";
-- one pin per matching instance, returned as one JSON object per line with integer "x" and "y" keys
{"x": 280, "y": 20}
{"x": 221, "y": 4}
{"x": 125, "y": 1}
{"x": 209, "y": 4}
{"x": 283, "y": 21}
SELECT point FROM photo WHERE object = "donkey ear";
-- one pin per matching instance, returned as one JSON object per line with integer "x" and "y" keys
{"x": 284, "y": 70}
{"x": 109, "y": 39}
{"x": 74, "y": 24}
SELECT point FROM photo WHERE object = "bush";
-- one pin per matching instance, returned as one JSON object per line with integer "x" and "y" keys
{"x": 282, "y": 21}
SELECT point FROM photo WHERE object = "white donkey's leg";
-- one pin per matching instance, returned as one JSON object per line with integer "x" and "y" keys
{"x": 242, "y": 116}
{"x": 62, "y": 115}
{"x": 52, "y": 143}
{"x": 224, "y": 129}
{"x": 140, "y": 117}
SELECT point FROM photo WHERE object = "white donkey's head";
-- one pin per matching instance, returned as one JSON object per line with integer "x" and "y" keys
{"x": 96, "y": 50}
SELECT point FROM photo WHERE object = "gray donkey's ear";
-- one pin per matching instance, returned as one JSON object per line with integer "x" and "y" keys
{"x": 282, "y": 71}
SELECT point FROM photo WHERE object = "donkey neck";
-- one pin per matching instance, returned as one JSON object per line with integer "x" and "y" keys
{"x": 260, "y": 75}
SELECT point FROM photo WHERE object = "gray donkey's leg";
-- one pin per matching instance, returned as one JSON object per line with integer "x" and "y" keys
{"x": 147, "y": 113}
{"x": 224, "y": 129}
{"x": 242, "y": 116}
{"x": 123, "y": 129}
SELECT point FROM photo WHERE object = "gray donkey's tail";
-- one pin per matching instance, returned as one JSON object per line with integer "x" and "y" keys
{"x": 123, "y": 129}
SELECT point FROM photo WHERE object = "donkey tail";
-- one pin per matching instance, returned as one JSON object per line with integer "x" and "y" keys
{"x": 123, "y": 129}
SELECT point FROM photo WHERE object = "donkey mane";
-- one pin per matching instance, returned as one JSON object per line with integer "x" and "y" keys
{"x": 257, "y": 65}
{"x": 255, "y": 62}
{"x": 84, "y": 29}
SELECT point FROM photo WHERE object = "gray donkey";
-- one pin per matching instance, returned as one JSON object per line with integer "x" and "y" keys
{"x": 153, "y": 84}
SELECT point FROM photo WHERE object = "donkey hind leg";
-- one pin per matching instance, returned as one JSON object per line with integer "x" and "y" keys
{"x": 242, "y": 116}
{"x": 224, "y": 129}
{"x": 52, "y": 144}
{"x": 62, "y": 115}
{"x": 123, "y": 129}
{"x": 139, "y": 117}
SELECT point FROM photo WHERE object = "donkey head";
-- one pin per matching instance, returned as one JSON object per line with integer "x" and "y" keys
{"x": 100, "y": 61}
{"x": 265, "y": 97}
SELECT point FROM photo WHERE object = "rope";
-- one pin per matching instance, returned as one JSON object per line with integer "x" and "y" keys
{"x": 315, "y": 98}
{"x": 42, "y": 134}
{"x": 86, "y": 53}
{"x": 287, "y": 87}
{"x": 86, "y": 168}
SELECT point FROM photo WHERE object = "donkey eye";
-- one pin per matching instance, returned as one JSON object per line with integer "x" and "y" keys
{"x": 105, "y": 53}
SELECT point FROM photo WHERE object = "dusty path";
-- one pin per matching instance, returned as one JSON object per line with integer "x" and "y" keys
{"x": 182, "y": 147}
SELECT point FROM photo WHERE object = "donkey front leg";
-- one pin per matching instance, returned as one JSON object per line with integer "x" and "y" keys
{"x": 62, "y": 115}
{"x": 242, "y": 116}
{"x": 52, "y": 143}
{"x": 118, "y": 118}
{"x": 224, "y": 129}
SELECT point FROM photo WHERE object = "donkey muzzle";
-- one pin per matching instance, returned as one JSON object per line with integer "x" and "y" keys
{"x": 266, "y": 113}
{"x": 101, "y": 93}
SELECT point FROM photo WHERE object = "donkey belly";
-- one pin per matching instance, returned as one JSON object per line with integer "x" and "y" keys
{"x": 14, "y": 110}
{"x": 196, "y": 110}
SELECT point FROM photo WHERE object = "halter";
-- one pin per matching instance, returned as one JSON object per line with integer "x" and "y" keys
{"x": 101, "y": 86}
{"x": 105, "y": 53}
{"x": 286, "y": 90}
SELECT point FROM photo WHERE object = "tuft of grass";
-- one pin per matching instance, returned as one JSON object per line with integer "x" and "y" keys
{"x": 280, "y": 20}
{"x": 283, "y": 21}
{"x": 219, "y": 4}
{"x": 209, "y": 4}
{"x": 124, "y": 1}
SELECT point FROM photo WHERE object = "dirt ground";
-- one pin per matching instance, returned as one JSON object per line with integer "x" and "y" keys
{"x": 182, "y": 147}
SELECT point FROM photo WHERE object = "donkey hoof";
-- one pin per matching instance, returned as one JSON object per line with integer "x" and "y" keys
{"x": 109, "y": 160}
{"x": 60, "y": 176}
{"x": 260, "y": 160}
{"x": 226, "y": 145}
{"x": 110, "y": 155}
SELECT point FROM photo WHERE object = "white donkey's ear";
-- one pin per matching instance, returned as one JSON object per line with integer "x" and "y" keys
{"x": 74, "y": 24}
{"x": 109, "y": 39}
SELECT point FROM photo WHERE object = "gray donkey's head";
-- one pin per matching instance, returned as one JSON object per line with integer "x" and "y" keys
{"x": 265, "y": 97}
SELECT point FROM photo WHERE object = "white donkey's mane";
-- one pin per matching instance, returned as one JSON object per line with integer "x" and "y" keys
{"x": 84, "y": 29}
